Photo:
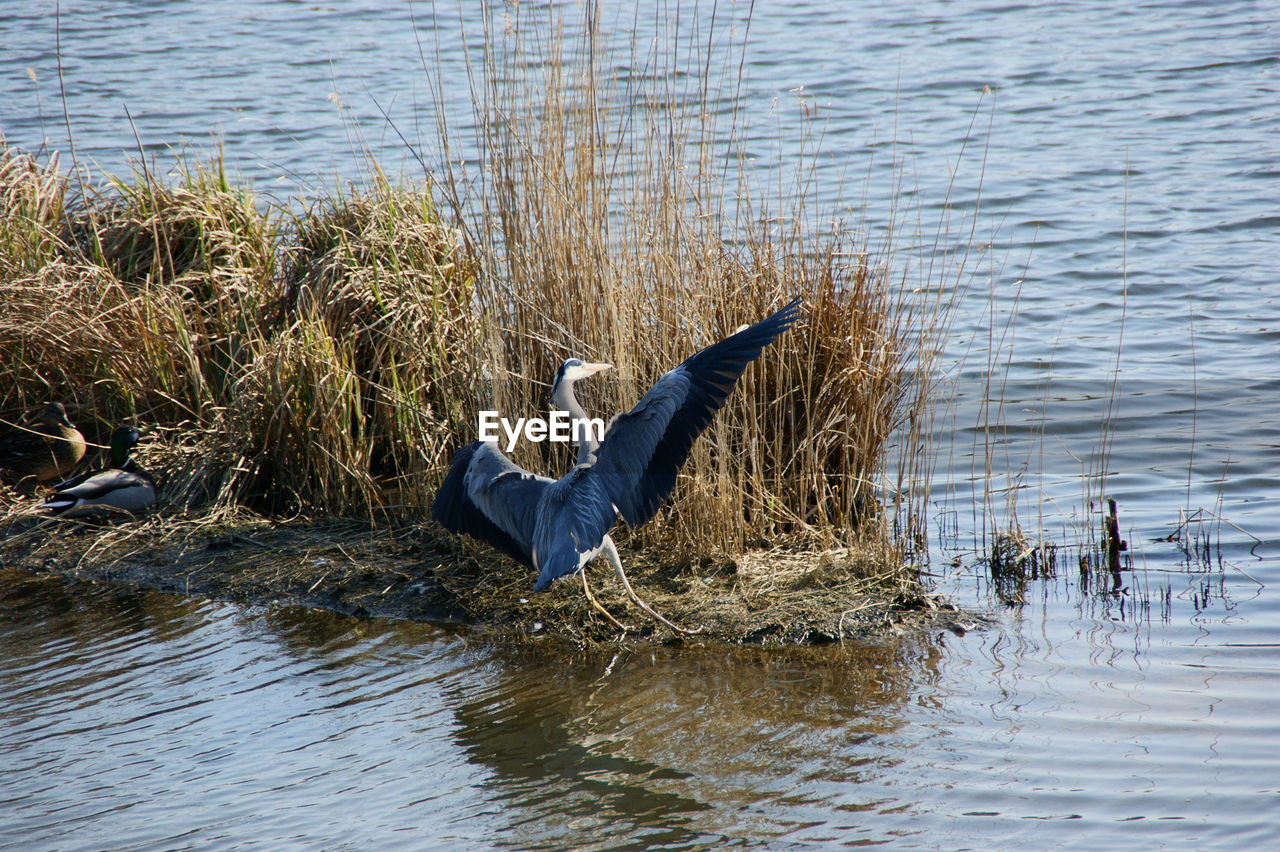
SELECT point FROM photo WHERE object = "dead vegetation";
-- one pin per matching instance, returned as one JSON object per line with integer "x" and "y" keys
{"x": 416, "y": 571}
{"x": 326, "y": 363}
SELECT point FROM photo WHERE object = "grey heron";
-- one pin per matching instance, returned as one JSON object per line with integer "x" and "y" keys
{"x": 557, "y": 526}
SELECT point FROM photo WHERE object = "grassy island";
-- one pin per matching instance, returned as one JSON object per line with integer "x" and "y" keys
{"x": 304, "y": 371}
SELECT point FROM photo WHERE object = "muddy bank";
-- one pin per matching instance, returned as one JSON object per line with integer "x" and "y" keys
{"x": 418, "y": 573}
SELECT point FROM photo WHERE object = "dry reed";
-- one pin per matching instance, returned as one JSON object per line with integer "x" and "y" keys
{"x": 289, "y": 362}
{"x": 328, "y": 361}
{"x": 604, "y": 230}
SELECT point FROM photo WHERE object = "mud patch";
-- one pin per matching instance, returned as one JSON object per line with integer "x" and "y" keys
{"x": 419, "y": 573}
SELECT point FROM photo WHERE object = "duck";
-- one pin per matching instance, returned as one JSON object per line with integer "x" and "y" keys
{"x": 44, "y": 452}
{"x": 124, "y": 488}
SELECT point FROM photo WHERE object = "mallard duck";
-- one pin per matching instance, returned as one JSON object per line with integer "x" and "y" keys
{"x": 47, "y": 451}
{"x": 124, "y": 488}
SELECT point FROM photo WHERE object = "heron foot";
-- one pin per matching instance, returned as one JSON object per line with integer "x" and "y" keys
{"x": 586, "y": 587}
{"x": 626, "y": 584}
{"x": 657, "y": 616}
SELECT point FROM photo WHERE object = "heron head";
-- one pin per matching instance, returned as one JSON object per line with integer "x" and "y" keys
{"x": 570, "y": 371}
{"x": 575, "y": 368}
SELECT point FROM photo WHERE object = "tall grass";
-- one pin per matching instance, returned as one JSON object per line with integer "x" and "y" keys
{"x": 612, "y": 222}
{"x": 330, "y": 359}
{"x": 291, "y": 361}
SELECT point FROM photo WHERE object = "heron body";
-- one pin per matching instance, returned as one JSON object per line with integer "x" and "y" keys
{"x": 46, "y": 451}
{"x": 557, "y": 526}
{"x": 124, "y": 488}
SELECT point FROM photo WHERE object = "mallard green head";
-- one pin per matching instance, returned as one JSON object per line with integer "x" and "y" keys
{"x": 123, "y": 440}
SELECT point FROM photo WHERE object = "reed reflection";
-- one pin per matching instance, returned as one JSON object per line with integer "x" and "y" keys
{"x": 53, "y": 621}
{"x": 686, "y": 746}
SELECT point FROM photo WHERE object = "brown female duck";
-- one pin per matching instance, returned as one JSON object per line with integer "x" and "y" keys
{"x": 45, "y": 451}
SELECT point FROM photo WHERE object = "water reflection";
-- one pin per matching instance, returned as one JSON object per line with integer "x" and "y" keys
{"x": 684, "y": 746}
{"x": 140, "y": 717}
{"x": 166, "y": 723}
{"x": 127, "y": 709}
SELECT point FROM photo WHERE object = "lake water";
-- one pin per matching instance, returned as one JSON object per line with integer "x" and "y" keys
{"x": 1114, "y": 168}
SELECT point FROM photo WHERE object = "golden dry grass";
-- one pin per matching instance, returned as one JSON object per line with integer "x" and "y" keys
{"x": 606, "y": 227}
{"x": 329, "y": 361}
{"x": 290, "y": 361}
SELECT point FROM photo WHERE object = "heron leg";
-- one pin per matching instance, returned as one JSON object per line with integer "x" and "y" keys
{"x": 611, "y": 549}
{"x": 586, "y": 587}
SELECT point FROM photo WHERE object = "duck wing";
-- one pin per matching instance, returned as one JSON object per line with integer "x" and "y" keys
{"x": 108, "y": 491}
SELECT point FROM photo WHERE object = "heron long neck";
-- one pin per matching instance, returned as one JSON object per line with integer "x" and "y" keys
{"x": 563, "y": 398}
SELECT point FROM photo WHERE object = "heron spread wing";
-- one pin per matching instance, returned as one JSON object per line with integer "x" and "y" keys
{"x": 643, "y": 449}
{"x": 489, "y": 497}
{"x": 556, "y": 527}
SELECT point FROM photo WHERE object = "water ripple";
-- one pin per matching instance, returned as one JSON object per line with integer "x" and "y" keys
{"x": 1123, "y": 180}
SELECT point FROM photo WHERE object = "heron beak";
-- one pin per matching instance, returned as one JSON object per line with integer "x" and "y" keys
{"x": 592, "y": 369}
